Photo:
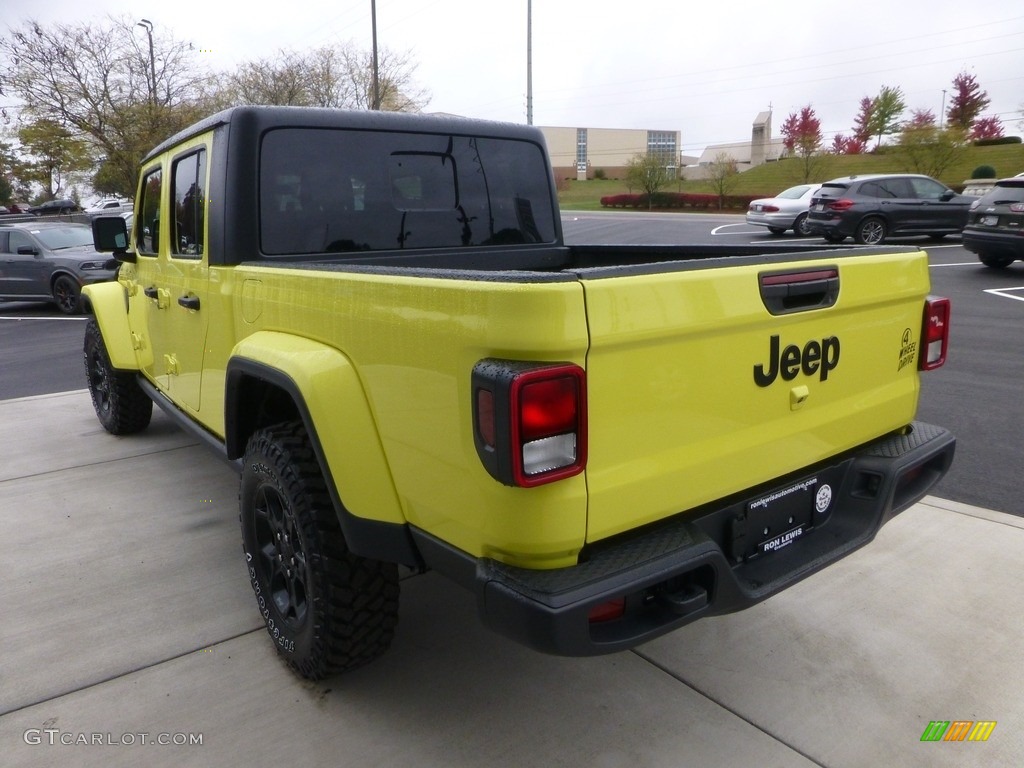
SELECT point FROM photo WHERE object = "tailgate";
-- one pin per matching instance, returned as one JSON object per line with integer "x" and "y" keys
{"x": 696, "y": 390}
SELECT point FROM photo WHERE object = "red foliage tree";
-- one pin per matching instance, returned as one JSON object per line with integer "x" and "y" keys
{"x": 966, "y": 103}
{"x": 843, "y": 145}
{"x": 862, "y": 123}
{"x": 986, "y": 128}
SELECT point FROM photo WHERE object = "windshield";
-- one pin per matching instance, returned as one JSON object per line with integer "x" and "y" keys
{"x": 70, "y": 236}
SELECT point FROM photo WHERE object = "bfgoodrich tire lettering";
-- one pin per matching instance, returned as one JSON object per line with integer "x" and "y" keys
{"x": 325, "y": 609}
{"x": 121, "y": 405}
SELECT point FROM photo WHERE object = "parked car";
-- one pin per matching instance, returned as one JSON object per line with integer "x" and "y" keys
{"x": 995, "y": 224}
{"x": 787, "y": 210}
{"x": 108, "y": 207}
{"x": 4, "y": 210}
{"x": 18, "y": 207}
{"x": 50, "y": 261}
{"x": 871, "y": 208}
{"x": 51, "y": 207}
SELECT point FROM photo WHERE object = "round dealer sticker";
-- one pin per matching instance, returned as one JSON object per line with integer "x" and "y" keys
{"x": 823, "y": 498}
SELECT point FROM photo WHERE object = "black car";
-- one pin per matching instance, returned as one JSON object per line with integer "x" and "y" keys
{"x": 50, "y": 261}
{"x": 872, "y": 207}
{"x": 995, "y": 225}
{"x": 52, "y": 207}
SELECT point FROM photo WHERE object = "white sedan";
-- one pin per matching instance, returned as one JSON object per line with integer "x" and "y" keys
{"x": 787, "y": 210}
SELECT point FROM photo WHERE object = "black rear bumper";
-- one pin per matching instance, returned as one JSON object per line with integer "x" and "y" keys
{"x": 704, "y": 562}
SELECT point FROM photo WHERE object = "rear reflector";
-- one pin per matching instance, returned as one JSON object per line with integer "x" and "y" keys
{"x": 934, "y": 333}
{"x": 609, "y": 611}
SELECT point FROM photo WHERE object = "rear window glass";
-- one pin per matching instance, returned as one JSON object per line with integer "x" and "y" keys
{"x": 1005, "y": 193}
{"x": 344, "y": 191}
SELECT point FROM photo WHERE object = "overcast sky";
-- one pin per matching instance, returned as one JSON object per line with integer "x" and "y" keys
{"x": 703, "y": 68}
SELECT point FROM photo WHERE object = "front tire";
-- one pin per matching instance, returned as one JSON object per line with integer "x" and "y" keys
{"x": 326, "y": 610}
{"x": 67, "y": 295}
{"x": 120, "y": 404}
{"x": 871, "y": 231}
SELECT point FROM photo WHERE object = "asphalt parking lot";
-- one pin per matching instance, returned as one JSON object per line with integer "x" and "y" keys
{"x": 130, "y": 636}
{"x": 128, "y": 620}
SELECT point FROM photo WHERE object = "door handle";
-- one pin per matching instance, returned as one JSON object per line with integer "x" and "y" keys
{"x": 189, "y": 302}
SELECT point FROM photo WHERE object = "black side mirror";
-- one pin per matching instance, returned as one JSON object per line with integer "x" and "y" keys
{"x": 110, "y": 234}
{"x": 948, "y": 195}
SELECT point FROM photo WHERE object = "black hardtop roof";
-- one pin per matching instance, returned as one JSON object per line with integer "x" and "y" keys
{"x": 268, "y": 117}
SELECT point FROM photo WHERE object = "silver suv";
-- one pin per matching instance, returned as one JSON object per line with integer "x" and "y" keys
{"x": 872, "y": 207}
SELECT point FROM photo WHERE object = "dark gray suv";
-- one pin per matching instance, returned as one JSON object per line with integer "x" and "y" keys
{"x": 50, "y": 261}
{"x": 995, "y": 226}
{"x": 871, "y": 208}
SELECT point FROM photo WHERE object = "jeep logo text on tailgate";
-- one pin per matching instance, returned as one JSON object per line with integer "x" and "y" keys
{"x": 816, "y": 357}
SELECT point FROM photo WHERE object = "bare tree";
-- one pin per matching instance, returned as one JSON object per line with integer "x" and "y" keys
{"x": 722, "y": 174}
{"x": 330, "y": 77}
{"x": 102, "y": 81}
{"x": 647, "y": 171}
{"x": 926, "y": 148}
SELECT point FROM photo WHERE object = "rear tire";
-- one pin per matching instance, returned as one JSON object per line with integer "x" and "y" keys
{"x": 871, "y": 231}
{"x": 121, "y": 405}
{"x": 326, "y": 610}
{"x": 995, "y": 262}
{"x": 800, "y": 228}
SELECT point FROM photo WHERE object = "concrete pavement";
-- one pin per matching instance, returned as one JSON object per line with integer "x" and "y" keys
{"x": 127, "y": 617}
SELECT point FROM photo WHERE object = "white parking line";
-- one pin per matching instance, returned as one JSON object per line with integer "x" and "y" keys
{"x": 957, "y": 264}
{"x": 1005, "y": 292}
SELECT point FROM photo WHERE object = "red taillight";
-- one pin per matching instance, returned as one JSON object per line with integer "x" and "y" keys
{"x": 530, "y": 420}
{"x": 769, "y": 209}
{"x": 1017, "y": 207}
{"x": 841, "y": 204}
{"x": 934, "y": 333}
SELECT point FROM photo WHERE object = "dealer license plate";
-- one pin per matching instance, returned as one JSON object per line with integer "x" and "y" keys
{"x": 781, "y": 517}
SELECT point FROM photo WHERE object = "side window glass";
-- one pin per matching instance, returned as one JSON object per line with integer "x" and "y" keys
{"x": 927, "y": 189}
{"x": 189, "y": 200}
{"x": 872, "y": 189}
{"x": 147, "y": 231}
{"x": 18, "y": 240}
{"x": 900, "y": 188}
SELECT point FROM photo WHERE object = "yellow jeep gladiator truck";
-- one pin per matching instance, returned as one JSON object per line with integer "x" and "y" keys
{"x": 375, "y": 319}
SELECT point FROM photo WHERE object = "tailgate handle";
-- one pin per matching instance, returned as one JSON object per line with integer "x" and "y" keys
{"x": 799, "y": 291}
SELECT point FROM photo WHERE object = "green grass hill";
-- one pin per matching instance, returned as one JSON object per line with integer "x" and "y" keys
{"x": 771, "y": 178}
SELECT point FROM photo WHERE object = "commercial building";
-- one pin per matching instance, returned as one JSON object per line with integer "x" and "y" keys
{"x": 577, "y": 153}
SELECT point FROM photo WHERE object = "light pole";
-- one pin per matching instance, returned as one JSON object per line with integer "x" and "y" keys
{"x": 147, "y": 25}
{"x": 376, "y": 68}
{"x": 529, "y": 62}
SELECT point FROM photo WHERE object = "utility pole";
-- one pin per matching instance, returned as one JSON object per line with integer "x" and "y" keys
{"x": 942, "y": 114}
{"x": 529, "y": 62}
{"x": 147, "y": 25}
{"x": 376, "y": 69}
